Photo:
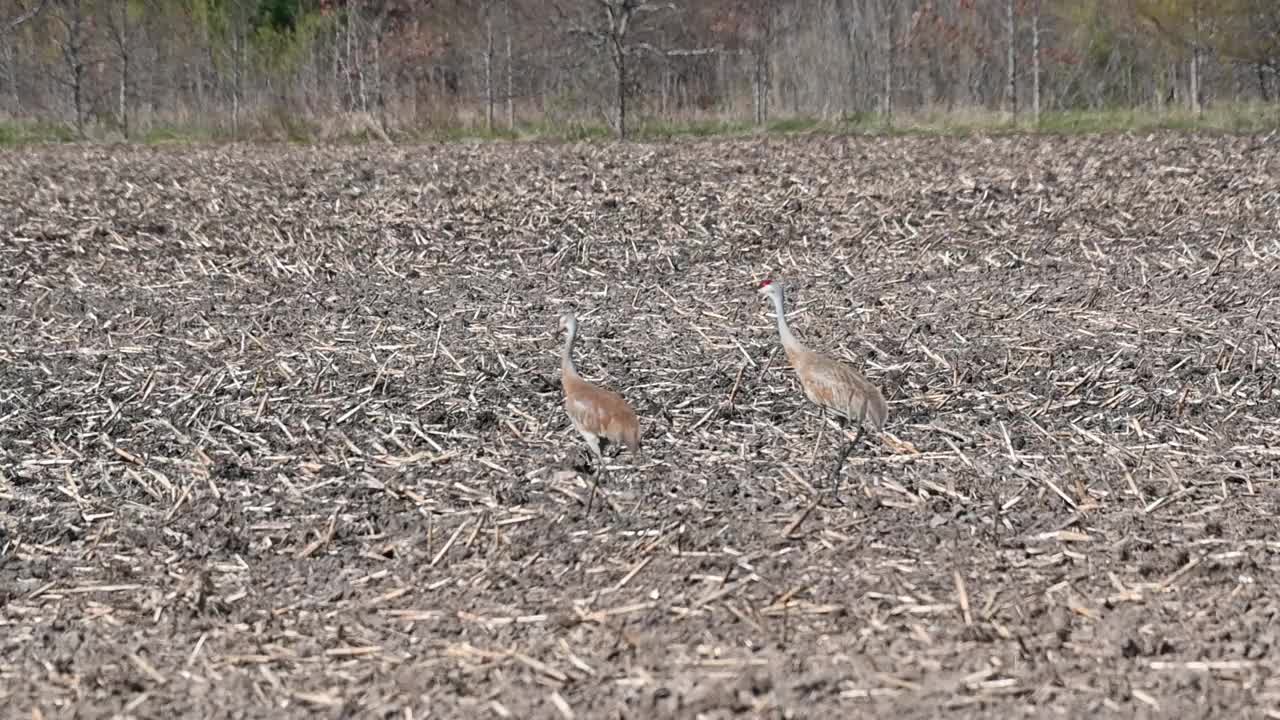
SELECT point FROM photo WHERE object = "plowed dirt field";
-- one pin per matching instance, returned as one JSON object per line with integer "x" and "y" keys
{"x": 281, "y": 430}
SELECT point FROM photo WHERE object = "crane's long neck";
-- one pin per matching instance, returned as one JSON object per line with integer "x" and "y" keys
{"x": 566, "y": 357}
{"x": 789, "y": 341}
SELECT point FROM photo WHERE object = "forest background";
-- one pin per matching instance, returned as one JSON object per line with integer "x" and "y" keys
{"x": 309, "y": 69}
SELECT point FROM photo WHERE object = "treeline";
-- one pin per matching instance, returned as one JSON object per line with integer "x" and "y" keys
{"x": 387, "y": 66}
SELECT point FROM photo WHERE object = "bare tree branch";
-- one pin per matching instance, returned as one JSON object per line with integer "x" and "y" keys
{"x": 638, "y": 47}
{"x": 695, "y": 52}
{"x": 15, "y": 23}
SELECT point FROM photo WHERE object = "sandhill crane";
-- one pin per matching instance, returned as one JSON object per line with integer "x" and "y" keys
{"x": 830, "y": 384}
{"x": 599, "y": 415}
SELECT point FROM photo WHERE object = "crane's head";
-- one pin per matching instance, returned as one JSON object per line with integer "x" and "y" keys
{"x": 770, "y": 289}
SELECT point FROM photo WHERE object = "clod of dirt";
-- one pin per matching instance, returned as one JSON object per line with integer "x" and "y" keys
{"x": 230, "y": 470}
{"x": 438, "y": 416}
{"x": 484, "y": 420}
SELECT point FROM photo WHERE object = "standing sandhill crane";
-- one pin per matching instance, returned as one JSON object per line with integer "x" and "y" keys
{"x": 830, "y": 384}
{"x": 599, "y": 415}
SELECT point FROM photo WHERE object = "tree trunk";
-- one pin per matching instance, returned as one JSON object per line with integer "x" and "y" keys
{"x": 889, "y": 67}
{"x": 1194, "y": 79}
{"x": 72, "y": 55}
{"x": 235, "y": 82}
{"x": 721, "y": 87}
{"x": 15, "y": 96}
{"x": 77, "y": 92}
{"x": 849, "y": 95}
{"x": 350, "y": 58}
{"x": 544, "y": 86}
{"x": 197, "y": 71}
{"x": 619, "y": 18}
{"x": 663, "y": 93}
{"x": 123, "y": 35}
{"x": 379, "y": 92}
{"x": 123, "y": 109}
{"x": 755, "y": 90}
{"x": 620, "y": 64}
{"x": 759, "y": 96}
{"x": 361, "y": 82}
{"x": 1035, "y": 62}
{"x": 488, "y": 70}
{"x": 240, "y": 50}
{"x": 511, "y": 95}
{"x": 1011, "y": 85}
{"x": 766, "y": 66}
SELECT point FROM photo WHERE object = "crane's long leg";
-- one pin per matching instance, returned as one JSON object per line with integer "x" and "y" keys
{"x": 593, "y": 443}
{"x": 595, "y": 485}
{"x": 840, "y": 458}
{"x": 844, "y": 452}
{"x": 817, "y": 441}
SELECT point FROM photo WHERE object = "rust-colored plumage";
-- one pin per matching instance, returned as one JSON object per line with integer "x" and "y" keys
{"x": 599, "y": 415}
{"x": 830, "y": 384}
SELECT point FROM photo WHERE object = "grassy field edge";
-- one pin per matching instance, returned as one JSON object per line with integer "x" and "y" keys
{"x": 278, "y": 127}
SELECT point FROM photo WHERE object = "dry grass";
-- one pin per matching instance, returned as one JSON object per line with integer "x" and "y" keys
{"x": 281, "y": 433}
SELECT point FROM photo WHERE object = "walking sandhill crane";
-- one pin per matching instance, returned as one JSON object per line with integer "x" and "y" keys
{"x": 601, "y": 416}
{"x": 832, "y": 385}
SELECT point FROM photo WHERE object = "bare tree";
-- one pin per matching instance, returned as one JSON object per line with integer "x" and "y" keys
{"x": 1035, "y": 60}
{"x": 1250, "y": 36}
{"x": 24, "y": 15}
{"x": 487, "y": 9}
{"x": 364, "y": 28}
{"x": 760, "y": 49}
{"x": 233, "y": 37}
{"x": 614, "y": 36}
{"x": 489, "y": 95}
{"x": 356, "y": 99}
{"x": 748, "y": 29}
{"x": 72, "y": 46}
{"x": 511, "y": 90}
{"x": 1011, "y": 36}
{"x": 10, "y": 56}
{"x": 1187, "y": 27}
{"x": 121, "y": 24}
{"x": 1196, "y": 49}
{"x": 890, "y": 57}
{"x": 849, "y": 27}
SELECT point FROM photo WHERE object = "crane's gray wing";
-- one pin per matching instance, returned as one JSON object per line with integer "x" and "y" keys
{"x": 839, "y": 387}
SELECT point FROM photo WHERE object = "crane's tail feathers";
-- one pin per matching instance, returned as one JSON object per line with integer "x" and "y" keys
{"x": 629, "y": 434}
{"x": 876, "y": 410}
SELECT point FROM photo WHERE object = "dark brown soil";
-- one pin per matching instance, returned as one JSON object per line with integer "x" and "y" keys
{"x": 281, "y": 432}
